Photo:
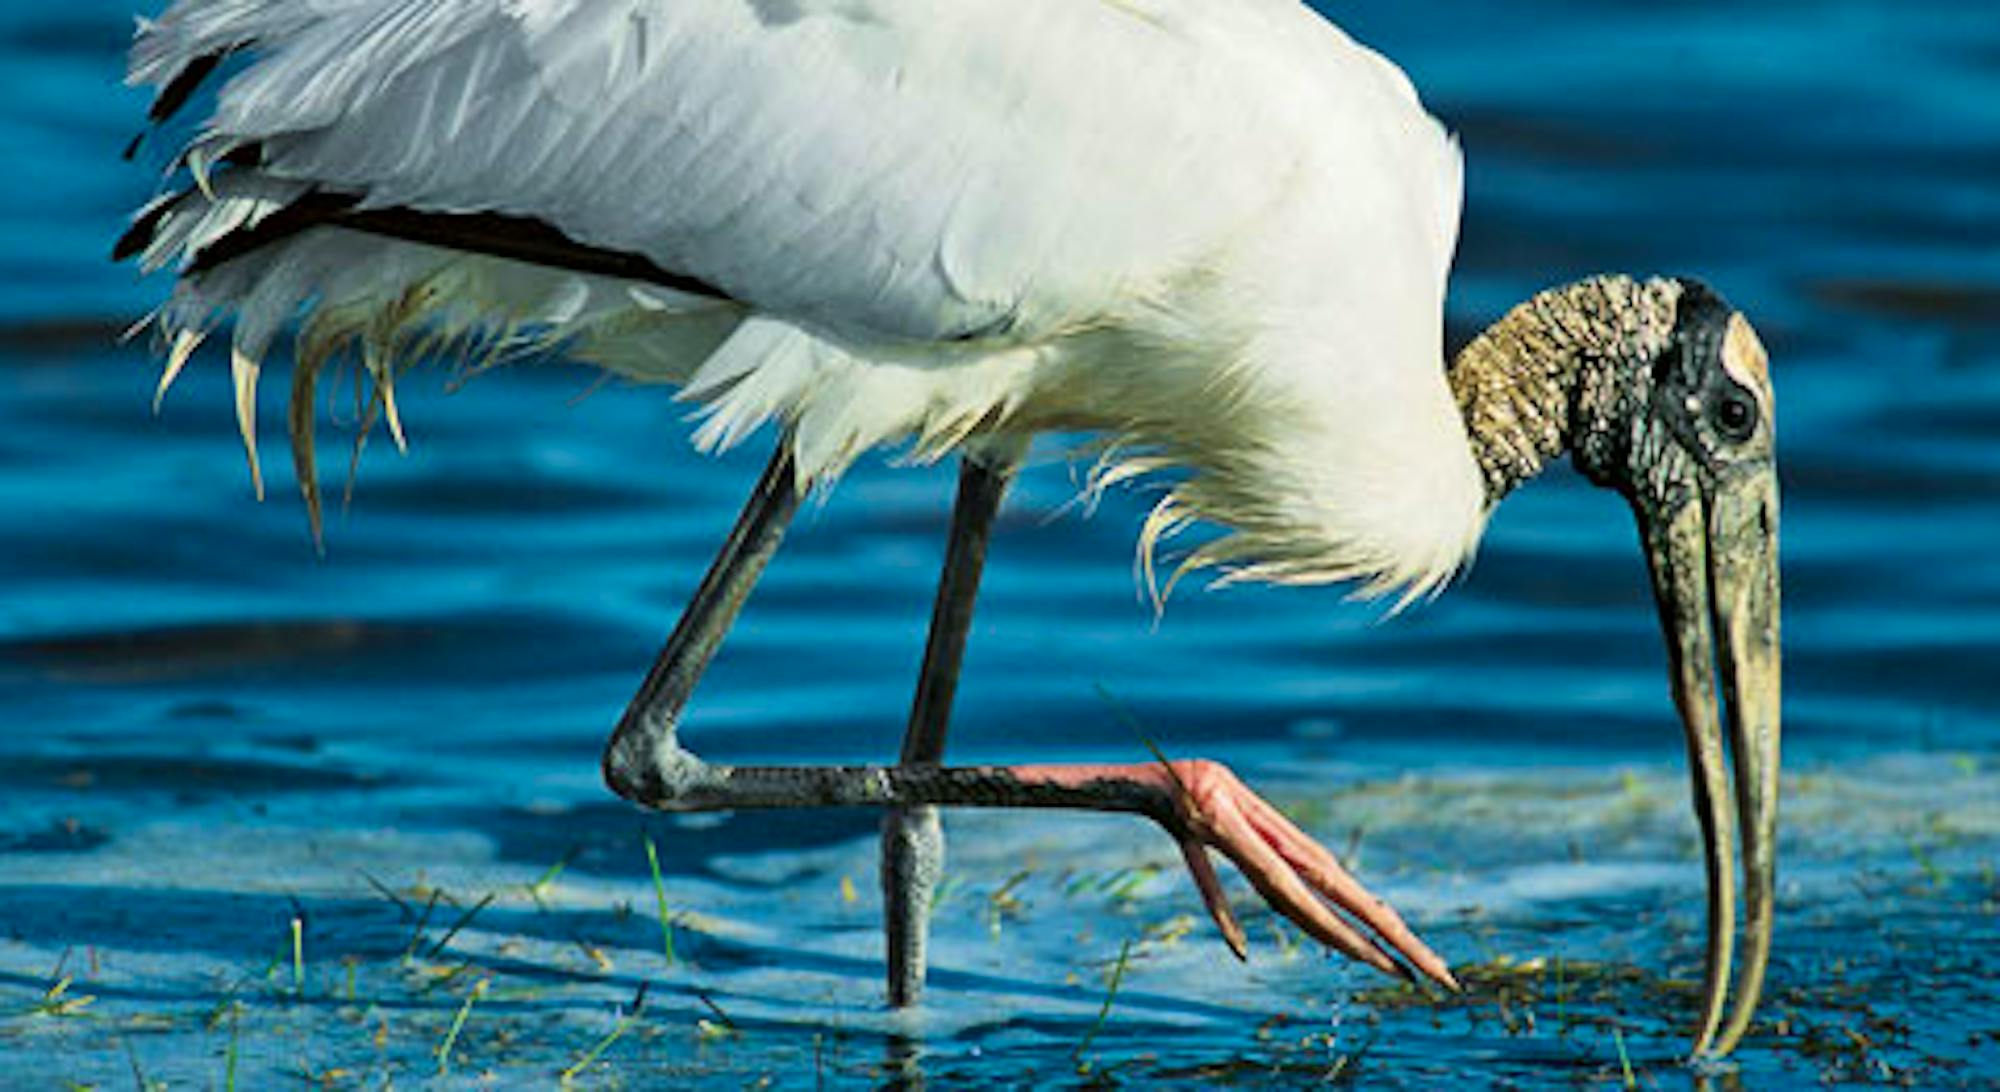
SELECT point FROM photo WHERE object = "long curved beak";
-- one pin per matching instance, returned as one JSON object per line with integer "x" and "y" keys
{"x": 1714, "y": 562}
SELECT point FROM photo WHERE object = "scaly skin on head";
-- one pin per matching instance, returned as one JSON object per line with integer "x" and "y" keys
{"x": 1661, "y": 392}
{"x": 1562, "y": 372}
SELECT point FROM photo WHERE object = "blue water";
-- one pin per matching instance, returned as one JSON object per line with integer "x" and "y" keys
{"x": 212, "y": 728}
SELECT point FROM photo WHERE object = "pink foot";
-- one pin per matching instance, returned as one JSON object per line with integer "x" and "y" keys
{"x": 1295, "y": 874}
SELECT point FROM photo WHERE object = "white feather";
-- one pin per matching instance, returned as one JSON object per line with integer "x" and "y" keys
{"x": 1218, "y": 232}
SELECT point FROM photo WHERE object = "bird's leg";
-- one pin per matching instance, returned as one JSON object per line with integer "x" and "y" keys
{"x": 912, "y": 838}
{"x": 1201, "y": 804}
{"x": 644, "y": 759}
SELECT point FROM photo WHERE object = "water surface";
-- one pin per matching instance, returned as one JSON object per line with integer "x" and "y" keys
{"x": 215, "y": 731}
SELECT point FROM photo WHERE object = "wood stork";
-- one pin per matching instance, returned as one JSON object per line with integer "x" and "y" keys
{"x": 1217, "y": 234}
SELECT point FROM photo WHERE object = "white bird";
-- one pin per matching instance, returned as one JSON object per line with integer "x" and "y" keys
{"x": 1217, "y": 234}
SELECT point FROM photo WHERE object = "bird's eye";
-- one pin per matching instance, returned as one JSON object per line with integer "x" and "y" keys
{"x": 1735, "y": 416}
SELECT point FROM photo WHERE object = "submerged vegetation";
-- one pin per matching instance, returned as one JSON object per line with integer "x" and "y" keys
{"x": 406, "y": 979}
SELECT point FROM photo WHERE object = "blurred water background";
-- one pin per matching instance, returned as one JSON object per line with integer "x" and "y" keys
{"x": 212, "y": 732}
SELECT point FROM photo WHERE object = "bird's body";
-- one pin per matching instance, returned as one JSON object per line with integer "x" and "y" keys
{"x": 1217, "y": 234}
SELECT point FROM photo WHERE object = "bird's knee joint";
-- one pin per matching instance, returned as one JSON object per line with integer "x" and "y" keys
{"x": 654, "y": 772}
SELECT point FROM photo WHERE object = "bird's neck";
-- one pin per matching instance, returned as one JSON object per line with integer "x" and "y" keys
{"x": 1554, "y": 376}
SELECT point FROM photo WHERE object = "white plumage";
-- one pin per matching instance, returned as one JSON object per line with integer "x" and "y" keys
{"x": 1218, "y": 232}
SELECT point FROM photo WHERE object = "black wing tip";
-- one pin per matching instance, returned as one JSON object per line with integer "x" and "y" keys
{"x": 309, "y": 210}
{"x": 175, "y": 95}
{"x": 140, "y": 235}
{"x": 184, "y": 84}
{"x": 494, "y": 234}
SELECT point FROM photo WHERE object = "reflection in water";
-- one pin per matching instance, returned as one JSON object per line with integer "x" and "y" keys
{"x": 903, "y": 1064}
{"x": 1730, "y": 1081}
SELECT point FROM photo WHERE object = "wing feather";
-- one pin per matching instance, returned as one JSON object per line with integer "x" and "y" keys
{"x": 1136, "y": 215}
{"x": 865, "y": 166}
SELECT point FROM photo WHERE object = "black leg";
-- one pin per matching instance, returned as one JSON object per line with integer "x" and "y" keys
{"x": 1199, "y": 803}
{"x": 643, "y": 755}
{"x": 912, "y": 838}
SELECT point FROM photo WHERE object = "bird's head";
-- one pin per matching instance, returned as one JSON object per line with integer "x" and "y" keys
{"x": 1661, "y": 391}
{"x": 1687, "y": 437}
